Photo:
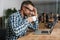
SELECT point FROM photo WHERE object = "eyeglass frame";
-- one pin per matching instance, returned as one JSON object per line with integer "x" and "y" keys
{"x": 29, "y": 9}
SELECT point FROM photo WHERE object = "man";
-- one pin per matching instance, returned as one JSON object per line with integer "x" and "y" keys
{"x": 19, "y": 22}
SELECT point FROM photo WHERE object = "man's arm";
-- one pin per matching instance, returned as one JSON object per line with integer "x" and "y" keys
{"x": 19, "y": 28}
{"x": 34, "y": 26}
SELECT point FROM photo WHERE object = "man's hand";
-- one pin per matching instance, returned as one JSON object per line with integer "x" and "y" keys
{"x": 30, "y": 19}
{"x": 35, "y": 12}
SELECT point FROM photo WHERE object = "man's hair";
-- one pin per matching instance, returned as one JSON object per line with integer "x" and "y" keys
{"x": 26, "y": 3}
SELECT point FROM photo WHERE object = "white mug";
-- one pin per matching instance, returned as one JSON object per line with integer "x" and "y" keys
{"x": 34, "y": 18}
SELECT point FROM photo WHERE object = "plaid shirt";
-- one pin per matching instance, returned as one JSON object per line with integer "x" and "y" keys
{"x": 17, "y": 26}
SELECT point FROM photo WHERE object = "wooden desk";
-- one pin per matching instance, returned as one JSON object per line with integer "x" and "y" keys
{"x": 55, "y": 35}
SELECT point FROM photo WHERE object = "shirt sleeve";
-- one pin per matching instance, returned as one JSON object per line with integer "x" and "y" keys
{"x": 19, "y": 28}
{"x": 34, "y": 26}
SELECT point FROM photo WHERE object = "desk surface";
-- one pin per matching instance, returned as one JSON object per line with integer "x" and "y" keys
{"x": 55, "y": 35}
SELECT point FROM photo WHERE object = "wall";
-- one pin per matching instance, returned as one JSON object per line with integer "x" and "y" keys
{"x": 5, "y": 4}
{"x": 46, "y": 8}
{"x": 1, "y": 8}
{"x": 59, "y": 8}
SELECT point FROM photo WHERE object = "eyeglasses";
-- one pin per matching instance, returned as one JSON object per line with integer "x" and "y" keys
{"x": 28, "y": 9}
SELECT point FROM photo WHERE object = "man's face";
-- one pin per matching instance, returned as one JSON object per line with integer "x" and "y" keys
{"x": 28, "y": 10}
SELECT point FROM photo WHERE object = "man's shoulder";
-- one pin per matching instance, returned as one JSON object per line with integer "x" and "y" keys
{"x": 15, "y": 14}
